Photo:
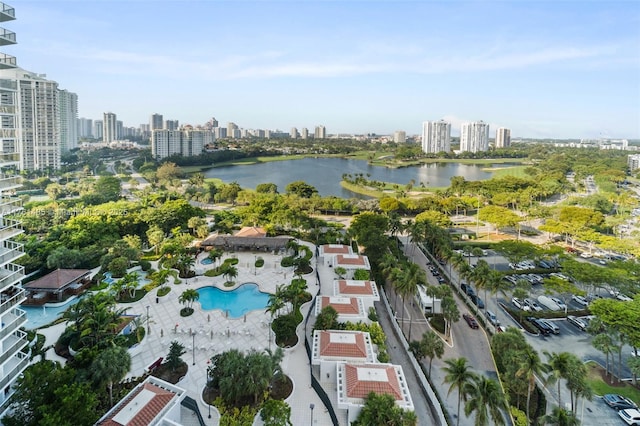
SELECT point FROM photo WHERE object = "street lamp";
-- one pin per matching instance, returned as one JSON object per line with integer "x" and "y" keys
{"x": 148, "y": 325}
{"x": 255, "y": 267}
{"x": 208, "y": 403}
{"x": 312, "y": 406}
{"x": 193, "y": 347}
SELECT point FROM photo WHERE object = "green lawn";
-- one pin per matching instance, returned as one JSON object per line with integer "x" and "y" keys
{"x": 517, "y": 171}
{"x": 599, "y": 387}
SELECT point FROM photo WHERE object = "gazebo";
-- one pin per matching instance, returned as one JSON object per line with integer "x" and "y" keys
{"x": 232, "y": 242}
{"x": 54, "y": 285}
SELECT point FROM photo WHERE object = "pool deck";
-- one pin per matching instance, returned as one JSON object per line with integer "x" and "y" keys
{"x": 214, "y": 333}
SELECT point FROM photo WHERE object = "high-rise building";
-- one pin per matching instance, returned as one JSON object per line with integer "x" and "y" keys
{"x": 37, "y": 119}
{"x": 85, "y": 128}
{"x": 474, "y": 136}
{"x": 633, "y": 162}
{"x": 231, "y": 130}
{"x": 68, "y": 107}
{"x": 110, "y": 128}
{"x": 171, "y": 125}
{"x": 436, "y": 136}
{"x": 13, "y": 341}
{"x": 187, "y": 142}
{"x": 503, "y": 137}
{"x": 304, "y": 133}
{"x": 320, "y": 133}
{"x": 400, "y": 136}
{"x": 156, "y": 122}
{"x": 98, "y": 129}
{"x": 294, "y": 133}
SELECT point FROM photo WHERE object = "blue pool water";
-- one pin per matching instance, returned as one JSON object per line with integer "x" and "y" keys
{"x": 142, "y": 278}
{"x": 238, "y": 302}
{"x": 206, "y": 261}
{"x": 38, "y": 316}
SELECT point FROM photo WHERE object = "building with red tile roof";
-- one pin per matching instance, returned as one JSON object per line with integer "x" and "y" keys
{"x": 367, "y": 290}
{"x": 152, "y": 402}
{"x": 351, "y": 262}
{"x": 327, "y": 252}
{"x": 349, "y": 309}
{"x": 332, "y": 346}
{"x": 356, "y": 381}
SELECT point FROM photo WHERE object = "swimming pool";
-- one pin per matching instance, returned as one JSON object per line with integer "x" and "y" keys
{"x": 142, "y": 278}
{"x": 206, "y": 261}
{"x": 238, "y": 302}
{"x": 38, "y": 316}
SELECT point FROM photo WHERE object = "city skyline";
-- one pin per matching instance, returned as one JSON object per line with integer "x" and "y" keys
{"x": 542, "y": 69}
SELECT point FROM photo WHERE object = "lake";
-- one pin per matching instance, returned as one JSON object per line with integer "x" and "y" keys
{"x": 325, "y": 174}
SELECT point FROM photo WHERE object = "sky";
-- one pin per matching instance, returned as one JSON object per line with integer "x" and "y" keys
{"x": 545, "y": 69}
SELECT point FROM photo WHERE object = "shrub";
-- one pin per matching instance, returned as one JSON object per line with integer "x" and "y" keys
{"x": 285, "y": 329}
{"x": 259, "y": 262}
{"x": 145, "y": 265}
{"x": 185, "y": 312}
{"x": 287, "y": 261}
{"x": 383, "y": 356}
{"x": 373, "y": 315}
{"x": 437, "y": 322}
{"x": 519, "y": 417}
{"x": 361, "y": 275}
{"x": 163, "y": 291}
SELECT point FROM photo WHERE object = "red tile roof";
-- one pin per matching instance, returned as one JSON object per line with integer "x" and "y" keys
{"x": 366, "y": 288}
{"x": 146, "y": 413}
{"x": 358, "y": 386}
{"x": 351, "y": 308}
{"x": 251, "y": 231}
{"x": 351, "y": 260}
{"x": 348, "y": 345}
{"x": 336, "y": 249}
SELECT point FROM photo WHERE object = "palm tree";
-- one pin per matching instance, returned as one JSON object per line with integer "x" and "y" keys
{"x": 560, "y": 417}
{"x": 604, "y": 343}
{"x": 486, "y": 399}
{"x": 276, "y": 302}
{"x": 458, "y": 375}
{"x": 530, "y": 366}
{"x": 231, "y": 273}
{"x": 214, "y": 255}
{"x": 413, "y": 278}
{"x": 558, "y": 368}
{"x": 433, "y": 347}
{"x": 188, "y": 297}
{"x": 111, "y": 365}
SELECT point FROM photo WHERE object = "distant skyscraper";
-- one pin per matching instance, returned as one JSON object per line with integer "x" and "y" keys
{"x": 187, "y": 142}
{"x": 85, "y": 128}
{"x": 294, "y": 133}
{"x": 231, "y": 130}
{"x": 119, "y": 130}
{"x": 110, "y": 128}
{"x": 320, "y": 133}
{"x": 474, "y": 136}
{"x": 171, "y": 125}
{"x": 304, "y": 133}
{"x": 400, "y": 136}
{"x": 212, "y": 123}
{"x": 98, "y": 129}
{"x": 68, "y": 108}
{"x": 155, "y": 122}
{"x": 503, "y": 138}
{"x": 436, "y": 136}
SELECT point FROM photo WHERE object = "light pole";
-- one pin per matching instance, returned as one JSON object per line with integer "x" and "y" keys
{"x": 255, "y": 267}
{"x": 312, "y": 406}
{"x": 193, "y": 348}
{"x": 148, "y": 325}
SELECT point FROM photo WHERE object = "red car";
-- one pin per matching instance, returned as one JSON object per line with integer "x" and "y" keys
{"x": 470, "y": 320}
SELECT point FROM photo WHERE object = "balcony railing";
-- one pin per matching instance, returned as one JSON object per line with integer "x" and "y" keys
{"x": 8, "y": 84}
{"x": 9, "y": 228}
{"x": 7, "y": 37}
{"x": 7, "y": 61}
{"x": 10, "y": 252}
{"x": 23, "y": 362}
{"x": 7, "y": 13}
{"x": 9, "y": 205}
{"x": 13, "y": 324}
{"x": 10, "y": 302}
{"x": 10, "y": 182}
{"x": 19, "y": 342}
{"x": 10, "y": 275}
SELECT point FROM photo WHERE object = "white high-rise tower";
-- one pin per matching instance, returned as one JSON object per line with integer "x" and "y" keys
{"x": 503, "y": 138}
{"x": 436, "y": 136}
{"x": 474, "y": 137}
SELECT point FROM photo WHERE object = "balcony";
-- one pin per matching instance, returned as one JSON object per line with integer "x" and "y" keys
{"x": 7, "y": 13}
{"x": 9, "y": 302}
{"x": 10, "y": 205}
{"x": 13, "y": 344}
{"x": 10, "y": 274}
{"x": 13, "y": 368}
{"x": 7, "y": 37}
{"x": 7, "y": 61}
{"x": 10, "y": 251}
{"x": 13, "y": 321}
{"x": 8, "y": 182}
{"x": 9, "y": 228}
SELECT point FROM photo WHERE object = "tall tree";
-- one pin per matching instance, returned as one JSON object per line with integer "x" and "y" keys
{"x": 458, "y": 375}
{"x": 530, "y": 367}
{"x": 486, "y": 399}
{"x": 109, "y": 367}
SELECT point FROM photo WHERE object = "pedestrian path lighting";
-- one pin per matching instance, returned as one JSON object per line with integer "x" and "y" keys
{"x": 312, "y": 406}
{"x": 193, "y": 347}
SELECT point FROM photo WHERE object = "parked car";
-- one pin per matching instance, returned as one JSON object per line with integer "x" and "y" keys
{"x": 520, "y": 304}
{"x": 493, "y": 319}
{"x": 623, "y": 297}
{"x": 559, "y": 302}
{"x": 580, "y": 300}
{"x": 586, "y": 255}
{"x": 550, "y": 324}
{"x": 631, "y": 416}
{"x": 577, "y": 322}
{"x": 541, "y": 326}
{"x": 532, "y": 305}
{"x": 470, "y": 320}
{"x": 464, "y": 287}
{"x": 477, "y": 301}
{"x": 618, "y": 402}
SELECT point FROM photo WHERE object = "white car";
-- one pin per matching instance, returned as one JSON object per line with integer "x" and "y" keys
{"x": 519, "y": 304}
{"x": 585, "y": 255}
{"x": 623, "y": 297}
{"x": 559, "y": 302}
{"x": 532, "y": 305}
{"x": 580, "y": 300}
{"x": 554, "y": 328}
{"x": 631, "y": 416}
